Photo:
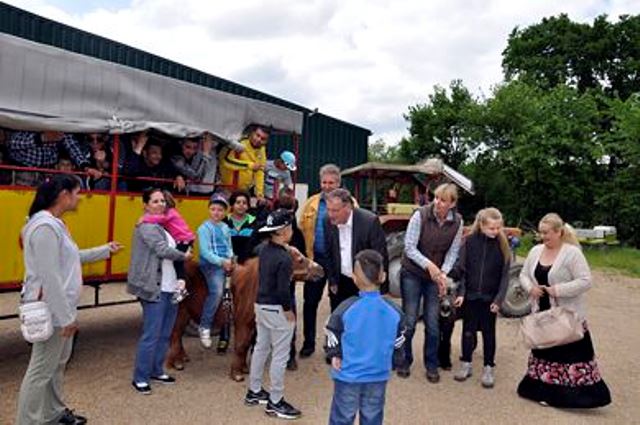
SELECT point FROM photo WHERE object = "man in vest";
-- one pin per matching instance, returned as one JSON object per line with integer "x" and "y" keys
{"x": 431, "y": 247}
{"x": 243, "y": 170}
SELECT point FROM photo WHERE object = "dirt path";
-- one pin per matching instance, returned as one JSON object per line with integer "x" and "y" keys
{"x": 98, "y": 380}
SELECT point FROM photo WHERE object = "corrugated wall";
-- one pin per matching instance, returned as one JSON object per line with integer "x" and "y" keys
{"x": 324, "y": 139}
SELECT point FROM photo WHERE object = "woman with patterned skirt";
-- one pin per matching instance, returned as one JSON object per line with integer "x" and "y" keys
{"x": 556, "y": 273}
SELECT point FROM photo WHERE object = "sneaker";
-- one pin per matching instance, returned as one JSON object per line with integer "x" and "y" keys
{"x": 68, "y": 417}
{"x": 221, "y": 349}
{"x": 306, "y": 352}
{"x": 141, "y": 387}
{"x": 465, "y": 372}
{"x": 433, "y": 376}
{"x": 205, "y": 337}
{"x": 164, "y": 379}
{"x": 403, "y": 372}
{"x": 253, "y": 399}
{"x": 488, "y": 380}
{"x": 282, "y": 410}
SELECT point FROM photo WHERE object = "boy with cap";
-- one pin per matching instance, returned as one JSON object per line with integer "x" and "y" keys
{"x": 275, "y": 320}
{"x": 365, "y": 335}
{"x": 277, "y": 175}
{"x": 216, "y": 259}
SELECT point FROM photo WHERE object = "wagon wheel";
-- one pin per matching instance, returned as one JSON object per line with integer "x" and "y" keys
{"x": 395, "y": 246}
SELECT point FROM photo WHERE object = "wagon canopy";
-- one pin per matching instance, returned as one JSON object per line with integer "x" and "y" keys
{"x": 397, "y": 171}
{"x": 47, "y": 88}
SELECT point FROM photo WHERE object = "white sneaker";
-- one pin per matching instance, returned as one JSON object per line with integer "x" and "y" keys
{"x": 488, "y": 380}
{"x": 465, "y": 372}
{"x": 205, "y": 337}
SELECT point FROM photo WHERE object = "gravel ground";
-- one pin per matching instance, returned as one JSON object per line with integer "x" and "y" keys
{"x": 98, "y": 378}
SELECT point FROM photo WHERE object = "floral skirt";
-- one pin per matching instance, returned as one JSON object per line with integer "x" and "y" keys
{"x": 565, "y": 376}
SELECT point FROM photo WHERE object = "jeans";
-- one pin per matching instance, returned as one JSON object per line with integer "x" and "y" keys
{"x": 415, "y": 288}
{"x": 351, "y": 398}
{"x": 158, "y": 320}
{"x": 313, "y": 291}
{"x": 215, "y": 283}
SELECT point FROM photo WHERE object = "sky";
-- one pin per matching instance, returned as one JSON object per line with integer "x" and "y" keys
{"x": 360, "y": 61}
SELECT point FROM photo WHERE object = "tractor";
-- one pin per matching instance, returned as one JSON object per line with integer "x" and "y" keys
{"x": 380, "y": 187}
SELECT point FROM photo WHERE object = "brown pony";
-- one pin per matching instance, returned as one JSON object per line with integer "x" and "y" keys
{"x": 244, "y": 290}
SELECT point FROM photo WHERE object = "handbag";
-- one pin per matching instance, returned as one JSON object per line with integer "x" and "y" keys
{"x": 550, "y": 328}
{"x": 35, "y": 321}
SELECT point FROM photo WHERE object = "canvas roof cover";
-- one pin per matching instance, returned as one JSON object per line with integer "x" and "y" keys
{"x": 47, "y": 88}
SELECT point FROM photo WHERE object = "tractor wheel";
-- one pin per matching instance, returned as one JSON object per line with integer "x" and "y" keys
{"x": 395, "y": 246}
{"x": 516, "y": 302}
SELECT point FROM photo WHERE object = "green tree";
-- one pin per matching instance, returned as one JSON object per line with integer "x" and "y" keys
{"x": 379, "y": 151}
{"x": 557, "y": 51}
{"x": 444, "y": 127}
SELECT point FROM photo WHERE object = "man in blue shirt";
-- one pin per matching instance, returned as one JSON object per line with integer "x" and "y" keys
{"x": 365, "y": 335}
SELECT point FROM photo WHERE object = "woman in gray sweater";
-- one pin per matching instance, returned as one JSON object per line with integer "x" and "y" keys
{"x": 152, "y": 278}
{"x": 53, "y": 274}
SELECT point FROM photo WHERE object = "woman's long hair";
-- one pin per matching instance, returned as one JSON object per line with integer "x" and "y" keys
{"x": 482, "y": 217}
{"x": 48, "y": 192}
{"x": 554, "y": 221}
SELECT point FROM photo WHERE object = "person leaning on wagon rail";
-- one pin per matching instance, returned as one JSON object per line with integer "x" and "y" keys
{"x": 197, "y": 162}
{"x": 151, "y": 164}
{"x": 152, "y": 278}
{"x": 243, "y": 168}
{"x": 312, "y": 225}
{"x": 431, "y": 247}
{"x": 349, "y": 230}
{"x": 31, "y": 149}
{"x": 556, "y": 272}
{"x": 54, "y": 275}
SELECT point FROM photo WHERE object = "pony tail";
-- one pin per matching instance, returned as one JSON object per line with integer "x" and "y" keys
{"x": 569, "y": 235}
{"x": 44, "y": 198}
{"x": 48, "y": 192}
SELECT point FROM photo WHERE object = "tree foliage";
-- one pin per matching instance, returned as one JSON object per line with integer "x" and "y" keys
{"x": 562, "y": 133}
{"x": 603, "y": 56}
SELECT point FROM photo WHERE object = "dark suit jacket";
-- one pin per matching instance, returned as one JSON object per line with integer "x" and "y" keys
{"x": 367, "y": 234}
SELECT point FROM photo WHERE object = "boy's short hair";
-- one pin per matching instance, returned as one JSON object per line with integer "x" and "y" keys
{"x": 371, "y": 264}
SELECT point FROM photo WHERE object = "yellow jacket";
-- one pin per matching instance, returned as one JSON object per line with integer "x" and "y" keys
{"x": 307, "y": 223}
{"x": 236, "y": 171}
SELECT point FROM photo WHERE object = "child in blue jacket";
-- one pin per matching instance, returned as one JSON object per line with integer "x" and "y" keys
{"x": 216, "y": 259}
{"x": 365, "y": 335}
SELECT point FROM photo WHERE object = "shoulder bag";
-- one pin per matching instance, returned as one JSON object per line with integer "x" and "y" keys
{"x": 551, "y": 328}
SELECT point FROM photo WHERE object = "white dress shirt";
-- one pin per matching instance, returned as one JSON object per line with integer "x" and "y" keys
{"x": 345, "y": 232}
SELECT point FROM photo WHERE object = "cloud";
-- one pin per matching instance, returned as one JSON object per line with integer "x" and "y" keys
{"x": 362, "y": 61}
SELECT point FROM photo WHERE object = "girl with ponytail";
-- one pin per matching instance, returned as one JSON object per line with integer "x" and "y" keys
{"x": 53, "y": 274}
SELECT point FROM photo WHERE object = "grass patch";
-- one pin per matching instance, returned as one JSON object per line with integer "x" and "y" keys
{"x": 621, "y": 259}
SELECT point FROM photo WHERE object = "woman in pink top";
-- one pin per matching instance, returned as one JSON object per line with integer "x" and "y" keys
{"x": 173, "y": 223}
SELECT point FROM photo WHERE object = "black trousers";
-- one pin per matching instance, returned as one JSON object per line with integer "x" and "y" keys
{"x": 478, "y": 317}
{"x": 346, "y": 289}
{"x": 313, "y": 290}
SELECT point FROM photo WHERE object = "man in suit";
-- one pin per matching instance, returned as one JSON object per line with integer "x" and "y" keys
{"x": 349, "y": 231}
